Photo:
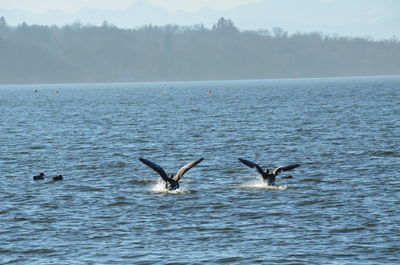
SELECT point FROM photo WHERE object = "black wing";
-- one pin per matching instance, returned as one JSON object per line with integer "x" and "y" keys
{"x": 284, "y": 168}
{"x": 252, "y": 165}
{"x": 186, "y": 168}
{"x": 156, "y": 168}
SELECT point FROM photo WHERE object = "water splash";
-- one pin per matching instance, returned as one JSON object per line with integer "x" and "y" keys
{"x": 159, "y": 187}
{"x": 259, "y": 184}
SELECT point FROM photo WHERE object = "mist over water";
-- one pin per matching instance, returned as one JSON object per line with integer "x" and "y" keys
{"x": 340, "y": 207}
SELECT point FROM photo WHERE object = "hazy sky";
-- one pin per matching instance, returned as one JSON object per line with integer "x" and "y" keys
{"x": 39, "y": 6}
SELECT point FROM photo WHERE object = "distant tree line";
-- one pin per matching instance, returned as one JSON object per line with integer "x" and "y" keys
{"x": 87, "y": 53}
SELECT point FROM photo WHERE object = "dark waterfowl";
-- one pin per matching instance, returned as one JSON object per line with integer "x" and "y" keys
{"x": 172, "y": 182}
{"x": 58, "y": 178}
{"x": 266, "y": 175}
{"x": 39, "y": 177}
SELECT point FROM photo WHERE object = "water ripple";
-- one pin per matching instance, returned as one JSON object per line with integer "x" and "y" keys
{"x": 340, "y": 207}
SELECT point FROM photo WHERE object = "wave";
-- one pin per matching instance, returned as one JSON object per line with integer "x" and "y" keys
{"x": 159, "y": 187}
{"x": 259, "y": 184}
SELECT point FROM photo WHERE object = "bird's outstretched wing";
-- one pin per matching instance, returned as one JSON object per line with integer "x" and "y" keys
{"x": 156, "y": 168}
{"x": 284, "y": 168}
{"x": 252, "y": 165}
{"x": 186, "y": 168}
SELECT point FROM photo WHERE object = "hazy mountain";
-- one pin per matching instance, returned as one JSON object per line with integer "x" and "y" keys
{"x": 376, "y": 18}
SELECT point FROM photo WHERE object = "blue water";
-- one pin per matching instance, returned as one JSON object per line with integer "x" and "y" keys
{"x": 341, "y": 206}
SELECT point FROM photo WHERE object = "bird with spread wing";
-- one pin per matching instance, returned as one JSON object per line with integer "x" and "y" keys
{"x": 171, "y": 182}
{"x": 266, "y": 175}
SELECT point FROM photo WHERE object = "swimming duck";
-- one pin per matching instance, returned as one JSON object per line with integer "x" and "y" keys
{"x": 39, "y": 177}
{"x": 58, "y": 178}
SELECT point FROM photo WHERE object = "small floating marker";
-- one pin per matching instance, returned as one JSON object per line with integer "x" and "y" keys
{"x": 209, "y": 91}
{"x": 35, "y": 91}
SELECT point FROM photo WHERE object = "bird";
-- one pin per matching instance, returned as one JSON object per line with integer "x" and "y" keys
{"x": 58, "y": 178}
{"x": 266, "y": 175}
{"x": 39, "y": 177}
{"x": 171, "y": 182}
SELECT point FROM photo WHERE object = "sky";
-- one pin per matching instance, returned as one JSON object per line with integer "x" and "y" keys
{"x": 40, "y": 6}
{"x": 379, "y": 19}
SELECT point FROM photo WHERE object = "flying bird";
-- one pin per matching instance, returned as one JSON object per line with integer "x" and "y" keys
{"x": 266, "y": 175}
{"x": 172, "y": 182}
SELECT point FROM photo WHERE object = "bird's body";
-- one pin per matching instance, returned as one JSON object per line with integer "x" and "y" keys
{"x": 171, "y": 182}
{"x": 58, "y": 178}
{"x": 39, "y": 177}
{"x": 267, "y": 176}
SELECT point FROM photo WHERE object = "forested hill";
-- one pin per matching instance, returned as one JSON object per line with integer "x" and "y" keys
{"x": 85, "y": 53}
